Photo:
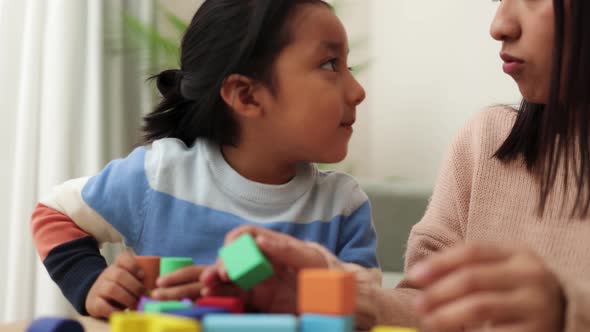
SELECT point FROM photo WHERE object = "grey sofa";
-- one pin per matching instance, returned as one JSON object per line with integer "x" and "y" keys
{"x": 397, "y": 206}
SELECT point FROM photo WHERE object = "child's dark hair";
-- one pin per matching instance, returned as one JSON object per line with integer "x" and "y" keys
{"x": 225, "y": 37}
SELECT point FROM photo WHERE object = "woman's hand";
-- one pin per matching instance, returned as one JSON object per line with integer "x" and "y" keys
{"x": 180, "y": 284}
{"x": 288, "y": 255}
{"x": 483, "y": 285}
{"x": 278, "y": 293}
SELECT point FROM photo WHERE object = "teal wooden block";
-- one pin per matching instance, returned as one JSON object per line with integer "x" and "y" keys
{"x": 162, "y": 306}
{"x": 245, "y": 264}
{"x": 249, "y": 323}
{"x": 316, "y": 323}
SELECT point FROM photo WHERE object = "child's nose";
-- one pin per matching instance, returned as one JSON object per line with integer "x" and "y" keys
{"x": 356, "y": 93}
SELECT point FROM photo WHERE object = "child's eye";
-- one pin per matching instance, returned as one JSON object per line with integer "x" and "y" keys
{"x": 331, "y": 65}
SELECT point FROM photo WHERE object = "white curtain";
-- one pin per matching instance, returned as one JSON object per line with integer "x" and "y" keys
{"x": 69, "y": 103}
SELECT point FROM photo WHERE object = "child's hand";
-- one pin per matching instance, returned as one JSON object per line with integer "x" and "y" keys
{"x": 507, "y": 289}
{"x": 118, "y": 287}
{"x": 277, "y": 294}
{"x": 180, "y": 284}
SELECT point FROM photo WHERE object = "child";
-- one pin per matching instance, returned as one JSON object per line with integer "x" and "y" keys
{"x": 263, "y": 93}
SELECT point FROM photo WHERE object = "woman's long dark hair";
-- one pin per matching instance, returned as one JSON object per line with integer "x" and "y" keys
{"x": 556, "y": 135}
{"x": 224, "y": 37}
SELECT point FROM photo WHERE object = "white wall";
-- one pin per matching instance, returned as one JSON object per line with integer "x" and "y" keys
{"x": 435, "y": 65}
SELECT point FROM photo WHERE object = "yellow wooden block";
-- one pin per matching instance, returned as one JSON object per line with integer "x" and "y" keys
{"x": 392, "y": 329}
{"x": 132, "y": 321}
{"x": 164, "y": 323}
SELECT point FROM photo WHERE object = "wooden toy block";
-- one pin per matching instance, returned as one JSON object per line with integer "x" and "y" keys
{"x": 249, "y": 323}
{"x": 145, "y": 300}
{"x": 171, "y": 264}
{"x": 326, "y": 292}
{"x": 197, "y": 312}
{"x": 151, "y": 268}
{"x": 55, "y": 325}
{"x": 164, "y": 323}
{"x": 142, "y": 302}
{"x": 245, "y": 263}
{"x": 131, "y": 321}
{"x": 163, "y": 306}
{"x": 392, "y": 329}
{"x": 232, "y": 304}
{"x": 315, "y": 323}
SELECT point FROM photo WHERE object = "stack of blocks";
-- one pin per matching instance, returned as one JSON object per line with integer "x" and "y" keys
{"x": 153, "y": 267}
{"x": 246, "y": 266}
{"x": 326, "y": 300}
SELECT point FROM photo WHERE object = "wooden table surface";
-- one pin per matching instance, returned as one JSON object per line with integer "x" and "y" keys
{"x": 90, "y": 325}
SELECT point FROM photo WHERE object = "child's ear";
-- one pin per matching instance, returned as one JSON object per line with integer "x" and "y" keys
{"x": 242, "y": 95}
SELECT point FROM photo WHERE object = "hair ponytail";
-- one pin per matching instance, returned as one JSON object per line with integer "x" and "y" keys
{"x": 171, "y": 112}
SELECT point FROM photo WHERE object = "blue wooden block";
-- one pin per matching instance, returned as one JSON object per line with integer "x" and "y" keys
{"x": 249, "y": 323}
{"x": 315, "y": 323}
{"x": 55, "y": 325}
{"x": 197, "y": 312}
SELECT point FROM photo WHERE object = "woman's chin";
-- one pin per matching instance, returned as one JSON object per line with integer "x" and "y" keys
{"x": 533, "y": 95}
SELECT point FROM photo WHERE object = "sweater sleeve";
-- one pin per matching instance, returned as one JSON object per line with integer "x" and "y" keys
{"x": 78, "y": 216}
{"x": 441, "y": 227}
{"x": 357, "y": 241}
{"x": 70, "y": 255}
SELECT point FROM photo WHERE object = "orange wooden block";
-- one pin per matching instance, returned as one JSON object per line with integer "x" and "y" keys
{"x": 328, "y": 292}
{"x": 151, "y": 267}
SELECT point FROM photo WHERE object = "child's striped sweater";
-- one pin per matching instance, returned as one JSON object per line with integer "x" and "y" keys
{"x": 171, "y": 200}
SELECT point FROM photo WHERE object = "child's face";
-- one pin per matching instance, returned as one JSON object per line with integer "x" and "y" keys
{"x": 310, "y": 117}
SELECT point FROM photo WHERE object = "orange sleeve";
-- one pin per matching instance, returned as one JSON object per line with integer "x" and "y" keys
{"x": 51, "y": 228}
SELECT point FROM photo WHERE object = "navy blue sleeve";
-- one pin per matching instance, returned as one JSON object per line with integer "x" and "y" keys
{"x": 75, "y": 266}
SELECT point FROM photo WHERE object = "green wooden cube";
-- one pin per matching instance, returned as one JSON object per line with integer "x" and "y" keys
{"x": 245, "y": 263}
{"x": 171, "y": 264}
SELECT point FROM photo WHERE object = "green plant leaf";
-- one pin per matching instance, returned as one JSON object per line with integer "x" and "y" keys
{"x": 149, "y": 38}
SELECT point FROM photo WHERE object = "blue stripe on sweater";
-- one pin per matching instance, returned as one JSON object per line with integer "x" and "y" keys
{"x": 156, "y": 223}
{"x": 180, "y": 228}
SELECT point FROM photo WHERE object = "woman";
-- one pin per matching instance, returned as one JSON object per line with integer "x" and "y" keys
{"x": 503, "y": 244}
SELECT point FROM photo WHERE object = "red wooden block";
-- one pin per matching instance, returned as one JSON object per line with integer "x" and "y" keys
{"x": 232, "y": 304}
